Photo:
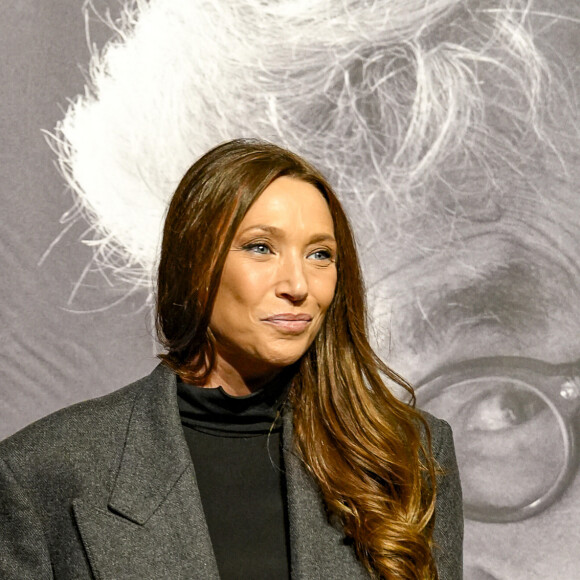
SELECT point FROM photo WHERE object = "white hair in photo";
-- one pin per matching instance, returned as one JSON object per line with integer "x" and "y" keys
{"x": 417, "y": 111}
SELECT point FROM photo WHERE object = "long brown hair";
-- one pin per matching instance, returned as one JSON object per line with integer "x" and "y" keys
{"x": 360, "y": 443}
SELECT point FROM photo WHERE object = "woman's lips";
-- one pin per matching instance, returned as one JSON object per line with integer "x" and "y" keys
{"x": 290, "y": 323}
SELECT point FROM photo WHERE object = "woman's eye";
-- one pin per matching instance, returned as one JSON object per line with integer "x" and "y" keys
{"x": 321, "y": 255}
{"x": 258, "y": 248}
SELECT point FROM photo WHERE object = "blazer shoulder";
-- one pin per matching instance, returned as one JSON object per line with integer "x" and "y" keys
{"x": 440, "y": 431}
{"x": 448, "y": 530}
{"x": 72, "y": 430}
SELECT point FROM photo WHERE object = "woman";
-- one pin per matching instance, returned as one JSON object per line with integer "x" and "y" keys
{"x": 267, "y": 444}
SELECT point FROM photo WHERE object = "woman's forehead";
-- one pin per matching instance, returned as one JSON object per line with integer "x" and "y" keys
{"x": 289, "y": 203}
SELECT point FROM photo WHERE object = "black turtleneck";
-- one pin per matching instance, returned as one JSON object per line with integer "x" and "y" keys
{"x": 235, "y": 445}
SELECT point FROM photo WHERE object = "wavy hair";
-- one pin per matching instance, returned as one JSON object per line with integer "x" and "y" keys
{"x": 360, "y": 443}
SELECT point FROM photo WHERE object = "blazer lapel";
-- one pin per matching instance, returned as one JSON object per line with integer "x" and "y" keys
{"x": 318, "y": 549}
{"x": 153, "y": 524}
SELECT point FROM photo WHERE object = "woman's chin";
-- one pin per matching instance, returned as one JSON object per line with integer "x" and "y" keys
{"x": 276, "y": 361}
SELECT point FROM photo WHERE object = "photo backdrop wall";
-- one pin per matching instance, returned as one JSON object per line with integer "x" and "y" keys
{"x": 449, "y": 128}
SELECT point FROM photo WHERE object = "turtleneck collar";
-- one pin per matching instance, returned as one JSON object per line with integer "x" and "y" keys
{"x": 214, "y": 410}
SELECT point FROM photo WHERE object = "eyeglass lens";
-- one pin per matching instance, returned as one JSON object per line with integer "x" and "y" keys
{"x": 510, "y": 441}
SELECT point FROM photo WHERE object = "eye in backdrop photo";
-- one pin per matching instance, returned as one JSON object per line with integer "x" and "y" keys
{"x": 448, "y": 128}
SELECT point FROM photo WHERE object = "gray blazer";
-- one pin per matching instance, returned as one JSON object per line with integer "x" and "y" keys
{"x": 106, "y": 489}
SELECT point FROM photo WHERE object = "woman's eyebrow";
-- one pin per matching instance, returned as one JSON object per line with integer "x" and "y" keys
{"x": 318, "y": 237}
{"x": 322, "y": 238}
{"x": 265, "y": 228}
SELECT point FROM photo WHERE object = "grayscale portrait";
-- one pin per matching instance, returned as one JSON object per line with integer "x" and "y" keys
{"x": 448, "y": 128}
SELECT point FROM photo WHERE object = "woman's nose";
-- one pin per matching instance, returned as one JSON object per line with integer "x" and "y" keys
{"x": 292, "y": 283}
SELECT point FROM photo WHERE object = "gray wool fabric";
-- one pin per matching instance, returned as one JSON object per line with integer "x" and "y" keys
{"x": 106, "y": 489}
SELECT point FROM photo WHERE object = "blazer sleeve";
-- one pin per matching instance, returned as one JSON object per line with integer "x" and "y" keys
{"x": 448, "y": 531}
{"x": 23, "y": 549}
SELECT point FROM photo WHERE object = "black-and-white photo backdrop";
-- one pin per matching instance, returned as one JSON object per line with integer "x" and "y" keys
{"x": 449, "y": 128}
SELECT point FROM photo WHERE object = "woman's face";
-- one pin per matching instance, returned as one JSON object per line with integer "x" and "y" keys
{"x": 278, "y": 280}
